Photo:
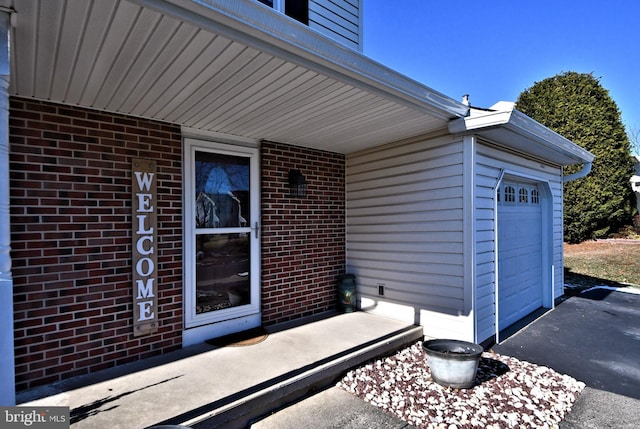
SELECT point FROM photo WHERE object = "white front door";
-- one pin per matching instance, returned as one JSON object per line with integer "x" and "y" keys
{"x": 520, "y": 258}
{"x": 221, "y": 242}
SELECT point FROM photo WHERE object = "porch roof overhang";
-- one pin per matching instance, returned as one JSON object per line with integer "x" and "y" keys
{"x": 236, "y": 68}
{"x": 518, "y": 132}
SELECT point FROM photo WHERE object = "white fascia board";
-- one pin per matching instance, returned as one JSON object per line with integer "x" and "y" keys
{"x": 479, "y": 121}
{"x": 256, "y": 25}
{"x": 522, "y": 125}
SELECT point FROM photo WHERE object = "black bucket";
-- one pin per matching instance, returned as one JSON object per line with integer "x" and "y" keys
{"x": 347, "y": 293}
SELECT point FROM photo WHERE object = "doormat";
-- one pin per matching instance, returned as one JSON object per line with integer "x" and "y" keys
{"x": 240, "y": 339}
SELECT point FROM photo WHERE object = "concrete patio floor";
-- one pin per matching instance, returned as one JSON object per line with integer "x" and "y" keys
{"x": 205, "y": 386}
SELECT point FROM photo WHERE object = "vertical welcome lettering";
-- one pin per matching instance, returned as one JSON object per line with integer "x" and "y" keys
{"x": 145, "y": 258}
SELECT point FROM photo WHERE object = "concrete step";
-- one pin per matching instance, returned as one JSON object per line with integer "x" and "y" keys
{"x": 296, "y": 385}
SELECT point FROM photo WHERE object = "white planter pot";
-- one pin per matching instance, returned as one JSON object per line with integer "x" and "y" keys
{"x": 453, "y": 363}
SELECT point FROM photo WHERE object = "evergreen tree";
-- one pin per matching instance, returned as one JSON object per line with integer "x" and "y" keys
{"x": 577, "y": 107}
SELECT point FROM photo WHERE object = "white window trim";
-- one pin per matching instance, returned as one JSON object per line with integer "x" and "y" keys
{"x": 278, "y": 5}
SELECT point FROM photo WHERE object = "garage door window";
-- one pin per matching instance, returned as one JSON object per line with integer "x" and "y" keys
{"x": 509, "y": 193}
{"x": 535, "y": 196}
{"x": 523, "y": 196}
{"x": 520, "y": 194}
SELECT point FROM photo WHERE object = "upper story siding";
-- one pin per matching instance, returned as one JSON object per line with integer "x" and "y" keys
{"x": 338, "y": 19}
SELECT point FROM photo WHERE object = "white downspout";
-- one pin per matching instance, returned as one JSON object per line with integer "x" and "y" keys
{"x": 586, "y": 169}
{"x": 7, "y": 361}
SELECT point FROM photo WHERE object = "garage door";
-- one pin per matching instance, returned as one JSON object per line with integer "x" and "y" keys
{"x": 519, "y": 252}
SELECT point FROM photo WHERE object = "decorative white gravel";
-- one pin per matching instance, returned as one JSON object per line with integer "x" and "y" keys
{"x": 508, "y": 393}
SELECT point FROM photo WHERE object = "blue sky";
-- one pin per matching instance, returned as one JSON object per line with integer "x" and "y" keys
{"x": 493, "y": 50}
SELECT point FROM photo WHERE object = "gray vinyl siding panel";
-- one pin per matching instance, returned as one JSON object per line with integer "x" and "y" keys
{"x": 405, "y": 223}
{"x": 487, "y": 174}
{"x": 407, "y": 226}
{"x": 489, "y": 162}
{"x": 338, "y": 19}
{"x": 558, "y": 238}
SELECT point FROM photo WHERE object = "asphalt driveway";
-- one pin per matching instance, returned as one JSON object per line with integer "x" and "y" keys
{"x": 594, "y": 337}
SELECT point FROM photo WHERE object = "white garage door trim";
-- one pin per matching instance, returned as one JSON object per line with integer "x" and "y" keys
{"x": 525, "y": 198}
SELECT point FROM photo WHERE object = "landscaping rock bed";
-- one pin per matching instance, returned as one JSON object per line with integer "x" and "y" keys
{"x": 508, "y": 393}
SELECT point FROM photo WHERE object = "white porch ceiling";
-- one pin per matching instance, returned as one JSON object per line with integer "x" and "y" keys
{"x": 228, "y": 67}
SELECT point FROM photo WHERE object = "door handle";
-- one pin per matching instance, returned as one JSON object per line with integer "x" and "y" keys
{"x": 257, "y": 229}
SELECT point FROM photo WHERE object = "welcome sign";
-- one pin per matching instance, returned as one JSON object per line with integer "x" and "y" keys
{"x": 145, "y": 257}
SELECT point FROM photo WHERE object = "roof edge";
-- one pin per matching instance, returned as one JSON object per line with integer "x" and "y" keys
{"x": 279, "y": 35}
{"x": 522, "y": 125}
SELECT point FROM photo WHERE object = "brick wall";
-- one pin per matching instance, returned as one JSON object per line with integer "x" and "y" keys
{"x": 303, "y": 239}
{"x": 71, "y": 239}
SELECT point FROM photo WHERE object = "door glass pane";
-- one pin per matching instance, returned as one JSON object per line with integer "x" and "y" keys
{"x": 222, "y": 256}
{"x": 222, "y": 271}
{"x": 222, "y": 191}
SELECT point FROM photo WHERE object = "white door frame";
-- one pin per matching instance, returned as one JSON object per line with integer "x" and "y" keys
{"x": 199, "y": 328}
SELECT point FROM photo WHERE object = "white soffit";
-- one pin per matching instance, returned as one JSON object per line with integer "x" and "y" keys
{"x": 517, "y": 131}
{"x": 230, "y": 67}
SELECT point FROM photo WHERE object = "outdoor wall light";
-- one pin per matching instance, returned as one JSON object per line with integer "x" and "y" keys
{"x": 297, "y": 184}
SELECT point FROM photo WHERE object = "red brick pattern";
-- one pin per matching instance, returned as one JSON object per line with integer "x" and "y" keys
{"x": 71, "y": 239}
{"x": 303, "y": 239}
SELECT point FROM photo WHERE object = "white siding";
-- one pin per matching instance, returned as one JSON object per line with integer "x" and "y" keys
{"x": 405, "y": 225}
{"x": 489, "y": 163}
{"x": 338, "y": 19}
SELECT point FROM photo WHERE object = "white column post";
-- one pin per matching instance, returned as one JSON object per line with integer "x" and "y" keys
{"x": 7, "y": 362}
